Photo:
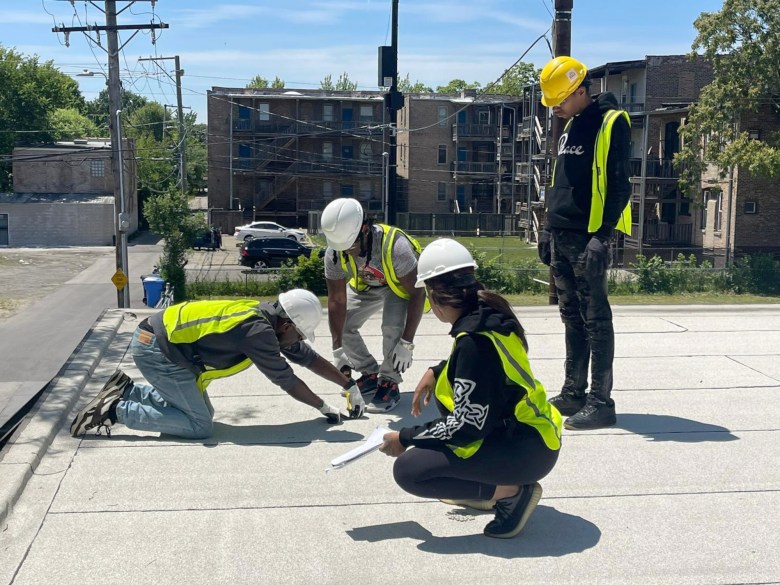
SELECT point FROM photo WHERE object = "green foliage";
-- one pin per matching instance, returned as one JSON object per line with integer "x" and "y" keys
{"x": 344, "y": 83}
{"x": 169, "y": 215}
{"x": 741, "y": 42}
{"x": 757, "y": 274}
{"x": 210, "y": 289}
{"x": 406, "y": 86}
{"x": 30, "y": 92}
{"x": 257, "y": 82}
{"x": 98, "y": 109}
{"x": 515, "y": 79}
{"x": 308, "y": 273}
{"x": 69, "y": 124}
{"x": 456, "y": 85}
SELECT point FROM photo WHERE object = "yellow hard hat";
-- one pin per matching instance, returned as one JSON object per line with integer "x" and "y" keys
{"x": 559, "y": 78}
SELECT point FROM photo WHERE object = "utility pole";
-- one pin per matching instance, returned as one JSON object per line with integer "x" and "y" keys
{"x": 561, "y": 48}
{"x": 180, "y": 113}
{"x": 121, "y": 221}
{"x": 388, "y": 72}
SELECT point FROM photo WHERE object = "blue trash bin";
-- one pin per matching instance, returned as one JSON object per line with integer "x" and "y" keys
{"x": 153, "y": 289}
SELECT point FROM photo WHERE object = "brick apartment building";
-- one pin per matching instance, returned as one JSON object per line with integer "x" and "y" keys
{"x": 64, "y": 195}
{"x": 281, "y": 153}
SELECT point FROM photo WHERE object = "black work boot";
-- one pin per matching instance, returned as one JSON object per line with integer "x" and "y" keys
{"x": 568, "y": 403}
{"x": 596, "y": 414}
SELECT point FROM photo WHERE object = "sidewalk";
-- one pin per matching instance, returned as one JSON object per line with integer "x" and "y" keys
{"x": 685, "y": 489}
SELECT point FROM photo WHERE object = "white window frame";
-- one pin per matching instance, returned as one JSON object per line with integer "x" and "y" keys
{"x": 328, "y": 113}
{"x": 719, "y": 212}
{"x": 264, "y": 112}
{"x": 443, "y": 114}
{"x": 366, "y": 113}
{"x": 327, "y": 151}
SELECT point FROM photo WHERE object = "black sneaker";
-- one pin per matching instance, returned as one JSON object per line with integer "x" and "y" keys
{"x": 116, "y": 385}
{"x": 100, "y": 412}
{"x": 386, "y": 398}
{"x": 596, "y": 414}
{"x": 568, "y": 403}
{"x": 367, "y": 383}
{"x": 512, "y": 513}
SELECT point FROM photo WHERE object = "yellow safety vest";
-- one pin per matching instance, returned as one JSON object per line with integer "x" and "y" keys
{"x": 389, "y": 236}
{"x": 599, "y": 174}
{"x": 190, "y": 321}
{"x": 533, "y": 409}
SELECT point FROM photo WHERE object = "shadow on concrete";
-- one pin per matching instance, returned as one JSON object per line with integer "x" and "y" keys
{"x": 543, "y": 536}
{"x": 297, "y": 434}
{"x": 663, "y": 427}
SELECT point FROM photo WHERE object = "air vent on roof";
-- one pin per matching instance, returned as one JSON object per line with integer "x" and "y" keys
{"x": 80, "y": 141}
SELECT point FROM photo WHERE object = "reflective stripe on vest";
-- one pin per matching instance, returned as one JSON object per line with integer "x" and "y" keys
{"x": 389, "y": 236}
{"x": 599, "y": 174}
{"x": 533, "y": 409}
{"x": 599, "y": 186}
{"x": 188, "y": 322}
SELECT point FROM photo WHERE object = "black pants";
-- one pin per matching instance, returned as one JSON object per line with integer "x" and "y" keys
{"x": 586, "y": 315}
{"x": 501, "y": 460}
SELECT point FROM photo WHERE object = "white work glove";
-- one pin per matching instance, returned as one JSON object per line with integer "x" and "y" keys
{"x": 340, "y": 359}
{"x": 402, "y": 355}
{"x": 356, "y": 406}
{"x": 331, "y": 413}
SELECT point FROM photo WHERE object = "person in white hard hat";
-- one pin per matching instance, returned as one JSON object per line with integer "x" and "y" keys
{"x": 496, "y": 435}
{"x": 185, "y": 347}
{"x": 371, "y": 267}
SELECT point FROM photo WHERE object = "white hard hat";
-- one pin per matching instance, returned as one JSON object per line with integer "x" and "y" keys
{"x": 341, "y": 222}
{"x": 303, "y": 309}
{"x": 440, "y": 257}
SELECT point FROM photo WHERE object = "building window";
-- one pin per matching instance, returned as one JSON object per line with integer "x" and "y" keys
{"x": 441, "y": 193}
{"x": 327, "y": 112}
{"x": 719, "y": 211}
{"x": 327, "y": 151}
{"x": 346, "y": 190}
{"x": 685, "y": 206}
{"x": 366, "y": 113}
{"x": 365, "y": 190}
{"x": 97, "y": 168}
{"x": 484, "y": 117}
{"x": 443, "y": 116}
{"x": 327, "y": 190}
{"x": 750, "y": 207}
{"x": 754, "y": 134}
{"x": 3, "y": 229}
{"x": 366, "y": 151}
{"x": 705, "y": 199}
{"x": 264, "y": 112}
{"x": 442, "y": 154}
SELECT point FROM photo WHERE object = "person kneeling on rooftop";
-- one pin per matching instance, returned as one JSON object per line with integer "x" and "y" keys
{"x": 185, "y": 347}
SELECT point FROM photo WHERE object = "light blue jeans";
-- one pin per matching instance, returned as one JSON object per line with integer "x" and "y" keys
{"x": 362, "y": 306}
{"x": 173, "y": 404}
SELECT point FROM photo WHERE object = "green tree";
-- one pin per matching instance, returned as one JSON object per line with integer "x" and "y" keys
{"x": 98, "y": 109}
{"x": 741, "y": 42}
{"x": 515, "y": 79}
{"x": 406, "y": 86}
{"x": 69, "y": 124}
{"x": 169, "y": 215}
{"x": 30, "y": 92}
{"x": 344, "y": 83}
{"x": 257, "y": 82}
{"x": 456, "y": 85}
{"x": 277, "y": 83}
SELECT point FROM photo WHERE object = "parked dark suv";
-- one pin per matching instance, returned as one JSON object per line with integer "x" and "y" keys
{"x": 261, "y": 253}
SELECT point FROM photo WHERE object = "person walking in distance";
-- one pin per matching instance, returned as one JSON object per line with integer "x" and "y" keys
{"x": 184, "y": 348}
{"x": 587, "y": 201}
{"x": 496, "y": 434}
{"x": 371, "y": 267}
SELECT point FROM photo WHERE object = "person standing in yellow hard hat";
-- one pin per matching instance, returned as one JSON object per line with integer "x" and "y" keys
{"x": 587, "y": 201}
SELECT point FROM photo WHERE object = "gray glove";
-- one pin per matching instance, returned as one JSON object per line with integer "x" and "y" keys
{"x": 402, "y": 355}
{"x": 596, "y": 256}
{"x": 331, "y": 413}
{"x": 543, "y": 247}
{"x": 356, "y": 406}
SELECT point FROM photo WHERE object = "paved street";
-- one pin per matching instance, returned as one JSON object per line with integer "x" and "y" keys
{"x": 685, "y": 489}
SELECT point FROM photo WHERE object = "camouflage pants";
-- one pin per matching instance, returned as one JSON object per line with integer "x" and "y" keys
{"x": 586, "y": 315}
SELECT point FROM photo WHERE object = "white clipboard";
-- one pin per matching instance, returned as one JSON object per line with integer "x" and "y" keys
{"x": 369, "y": 445}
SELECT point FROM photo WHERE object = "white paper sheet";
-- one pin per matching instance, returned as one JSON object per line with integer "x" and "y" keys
{"x": 371, "y": 444}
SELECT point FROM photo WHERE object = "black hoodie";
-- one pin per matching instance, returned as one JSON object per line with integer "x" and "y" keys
{"x": 568, "y": 200}
{"x": 484, "y": 397}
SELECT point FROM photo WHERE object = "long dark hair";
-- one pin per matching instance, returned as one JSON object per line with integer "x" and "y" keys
{"x": 461, "y": 290}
